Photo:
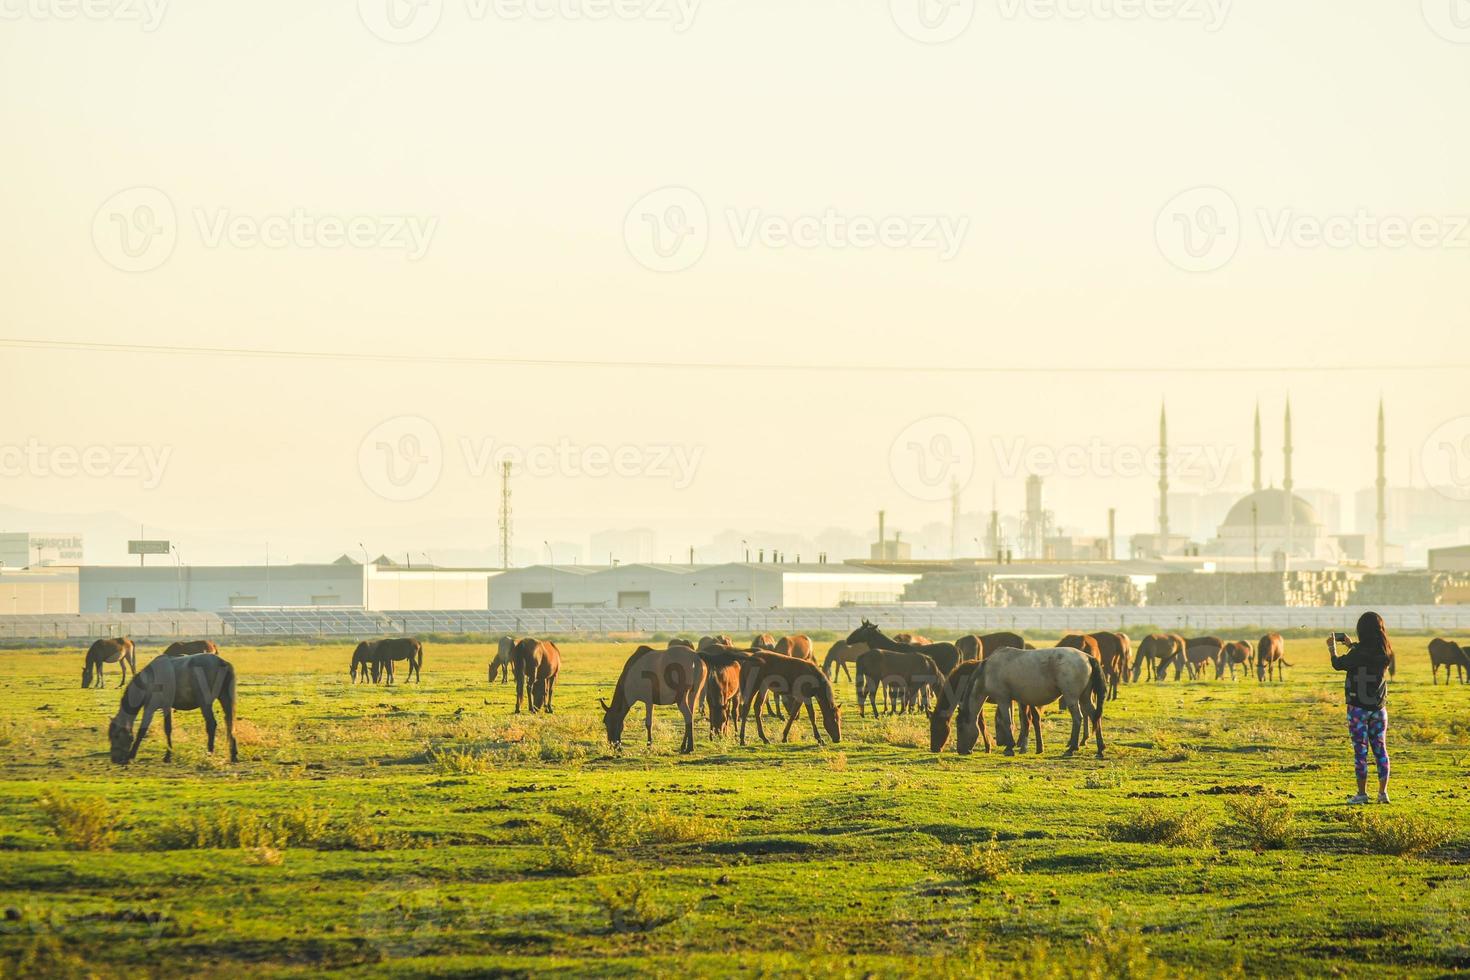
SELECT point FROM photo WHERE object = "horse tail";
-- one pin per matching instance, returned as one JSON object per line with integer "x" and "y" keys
{"x": 1098, "y": 685}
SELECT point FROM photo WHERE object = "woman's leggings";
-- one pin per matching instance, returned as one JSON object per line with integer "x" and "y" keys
{"x": 1368, "y": 728}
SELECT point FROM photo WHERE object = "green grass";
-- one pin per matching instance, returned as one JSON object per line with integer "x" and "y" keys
{"x": 426, "y": 830}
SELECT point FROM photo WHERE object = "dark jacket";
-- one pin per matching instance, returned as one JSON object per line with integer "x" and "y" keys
{"x": 1365, "y": 684}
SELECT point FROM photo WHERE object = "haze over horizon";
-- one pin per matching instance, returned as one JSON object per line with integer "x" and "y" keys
{"x": 326, "y": 273}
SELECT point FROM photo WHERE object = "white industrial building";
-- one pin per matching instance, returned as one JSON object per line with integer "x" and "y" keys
{"x": 216, "y": 588}
{"x": 735, "y": 586}
{"x": 25, "y": 549}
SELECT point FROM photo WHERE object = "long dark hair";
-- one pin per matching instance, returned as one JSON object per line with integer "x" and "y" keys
{"x": 1373, "y": 635}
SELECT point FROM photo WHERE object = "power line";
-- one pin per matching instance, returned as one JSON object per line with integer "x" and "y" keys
{"x": 94, "y": 347}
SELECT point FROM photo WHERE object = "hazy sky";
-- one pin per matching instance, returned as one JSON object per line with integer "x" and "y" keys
{"x": 1185, "y": 185}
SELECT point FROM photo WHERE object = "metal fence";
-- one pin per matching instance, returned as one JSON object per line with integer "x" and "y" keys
{"x": 303, "y": 623}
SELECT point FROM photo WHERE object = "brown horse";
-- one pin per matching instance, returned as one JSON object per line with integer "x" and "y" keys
{"x": 1201, "y": 650}
{"x": 1236, "y": 653}
{"x": 365, "y": 662}
{"x": 798, "y": 646}
{"x": 706, "y": 642}
{"x": 675, "y": 676}
{"x": 1156, "y": 652}
{"x": 1113, "y": 651}
{"x": 111, "y": 650}
{"x": 188, "y": 683}
{"x": 840, "y": 656}
{"x": 722, "y": 689}
{"x": 950, "y": 692}
{"x": 1448, "y": 654}
{"x": 912, "y": 638}
{"x": 186, "y": 648}
{"x": 382, "y": 654}
{"x": 796, "y": 682}
{"x": 902, "y": 675}
{"x": 679, "y": 641}
{"x": 1271, "y": 653}
{"x": 763, "y": 641}
{"x": 536, "y": 664}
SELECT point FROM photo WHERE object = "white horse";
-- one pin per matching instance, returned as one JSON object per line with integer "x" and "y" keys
{"x": 1033, "y": 678}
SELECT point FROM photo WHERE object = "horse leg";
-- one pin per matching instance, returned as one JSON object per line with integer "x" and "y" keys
{"x": 1097, "y": 731}
{"x": 210, "y": 725}
{"x": 793, "y": 712}
{"x": 520, "y": 688}
{"x": 142, "y": 730}
{"x": 1003, "y": 724}
{"x": 760, "y": 728}
{"x": 1025, "y": 728}
{"x": 168, "y": 734}
{"x": 1076, "y": 711}
{"x": 648, "y": 720}
{"x": 1036, "y": 724}
{"x": 550, "y": 688}
{"x": 811, "y": 713}
{"x": 687, "y": 710}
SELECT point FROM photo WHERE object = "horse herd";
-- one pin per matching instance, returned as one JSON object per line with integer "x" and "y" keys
{"x": 949, "y": 681}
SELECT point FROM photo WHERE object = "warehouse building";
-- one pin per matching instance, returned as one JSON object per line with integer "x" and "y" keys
{"x": 738, "y": 585}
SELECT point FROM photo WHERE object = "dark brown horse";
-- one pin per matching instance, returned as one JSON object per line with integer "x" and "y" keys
{"x": 1201, "y": 650}
{"x": 840, "y": 656}
{"x": 903, "y": 675}
{"x": 536, "y": 664}
{"x": 1271, "y": 654}
{"x": 1448, "y": 654}
{"x": 1113, "y": 650}
{"x": 945, "y": 655}
{"x": 1156, "y": 652}
{"x": 796, "y": 682}
{"x": 722, "y": 689}
{"x": 382, "y": 654}
{"x": 191, "y": 682}
{"x": 799, "y": 646}
{"x": 111, "y": 650}
{"x": 1236, "y": 653}
{"x": 674, "y": 676}
{"x": 186, "y": 648}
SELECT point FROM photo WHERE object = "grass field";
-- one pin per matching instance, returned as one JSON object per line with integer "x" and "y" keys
{"x": 425, "y": 830}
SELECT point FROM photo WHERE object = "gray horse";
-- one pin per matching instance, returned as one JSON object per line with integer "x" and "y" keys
{"x": 189, "y": 683}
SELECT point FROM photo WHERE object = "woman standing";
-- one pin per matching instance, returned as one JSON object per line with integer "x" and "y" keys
{"x": 1366, "y": 663}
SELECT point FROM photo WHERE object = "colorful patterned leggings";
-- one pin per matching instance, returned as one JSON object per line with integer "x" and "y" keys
{"x": 1368, "y": 729}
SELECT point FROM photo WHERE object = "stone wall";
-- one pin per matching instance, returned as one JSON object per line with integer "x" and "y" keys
{"x": 975, "y": 588}
{"x": 1252, "y": 589}
{"x": 1409, "y": 588}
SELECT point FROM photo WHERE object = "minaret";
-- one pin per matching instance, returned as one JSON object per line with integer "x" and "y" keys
{"x": 1256, "y": 455}
{"x": 1163, "y": 480}
{"x": 1382, "y": 490}
{"x": 1286, "y": 485}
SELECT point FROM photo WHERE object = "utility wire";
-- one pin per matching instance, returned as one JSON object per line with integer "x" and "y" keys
{"x": 28, "y": 343}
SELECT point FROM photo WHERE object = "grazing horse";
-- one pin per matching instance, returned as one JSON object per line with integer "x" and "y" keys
{"x": 944, "y": 708}
{"x": 840, "y": 656}
{"x": 1113, "y": 651}
{"x": 1157, "y": 652}
{"x": 902, "y": 675}
{"x": 763, "y": 641}
{"x": 912, "y": 638}
{"x": 675, "y": 676}
{"x": 504, "y": 654}
{"x": 383, "y": 653}
{"x": 722, "y": 689}
{"x": 1236, "y": 653}
{"x": 796, "y": 682}
{"x": 1448, "y": 654}
{"x": 680, "y": 641}
{"x": 185, "y": 648}
{"x": 799, "y": 646}
{"x": 1271, "y": 652}
{"x": 536, "y": 664}
{"x": 111, "y": 650}
{"x": 706, "y": 642}
{"x": 191, "y": 682}
{"x": 1201, "y": 650}
{"x": 944, "y": 655}
{"x": 1034, "y": 678}
{"x": 364, "y": 660}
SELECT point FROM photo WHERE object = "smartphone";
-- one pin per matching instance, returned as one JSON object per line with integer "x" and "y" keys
{"x": 1341, "y": 638}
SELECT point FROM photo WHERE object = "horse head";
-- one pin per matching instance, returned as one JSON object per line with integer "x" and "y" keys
{"x": 613, "y": 722}
{"x": 87, "y": 675}
{"x": 120, "y": 739}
